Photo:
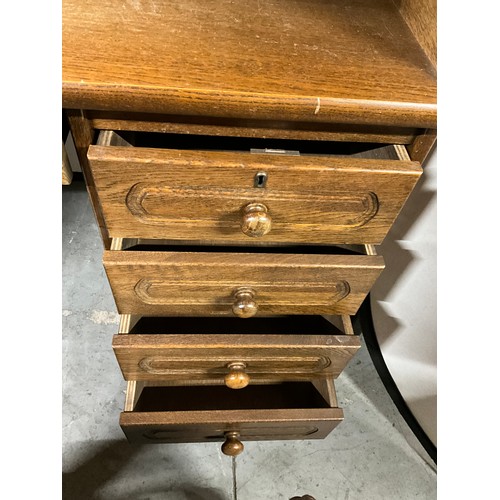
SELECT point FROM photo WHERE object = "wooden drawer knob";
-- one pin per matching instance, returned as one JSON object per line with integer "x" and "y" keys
{"x": 244, "y": 305}
{"x": 232, "y": 446}
{"x": 236, "y": 378}
{"x": 256, "y": 221}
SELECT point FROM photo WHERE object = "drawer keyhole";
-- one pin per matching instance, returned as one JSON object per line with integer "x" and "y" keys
{"x": 260, "y": 180}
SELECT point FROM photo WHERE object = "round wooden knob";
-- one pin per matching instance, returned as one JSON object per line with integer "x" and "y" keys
{"x": 232, "y": 446}
{"x": 244, "y": 305}
{"x": 236, "y": 378}
{"x": 256, "y": 221}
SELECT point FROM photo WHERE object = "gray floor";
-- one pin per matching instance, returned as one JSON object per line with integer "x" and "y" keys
{"x": 371, "y": 455}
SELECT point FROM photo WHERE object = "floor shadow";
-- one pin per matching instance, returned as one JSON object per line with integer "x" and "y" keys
{"x": 397, "y": 261}
{"x": 422, "y": 195}
{"x": 364, "y": 372}
{"x": 398, "y": 258}
{"x": 196, "y": 493}
{"x": 88, "y": 481}
{"x": 82, "y": 483}
{"x": 389, "y": 325}
{"x": 184, "y": 492}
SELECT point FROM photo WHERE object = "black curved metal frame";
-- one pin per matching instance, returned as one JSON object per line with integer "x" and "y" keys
{"x": 363, "y": 325}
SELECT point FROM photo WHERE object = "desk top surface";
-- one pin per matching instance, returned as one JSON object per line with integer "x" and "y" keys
{"x": 347, "y": 61}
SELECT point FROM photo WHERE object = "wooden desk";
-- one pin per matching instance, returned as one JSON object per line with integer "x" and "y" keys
{"x": 234, "y": 151}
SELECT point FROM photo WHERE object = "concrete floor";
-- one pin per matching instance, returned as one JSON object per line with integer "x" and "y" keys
{"x": 371, "y": 455}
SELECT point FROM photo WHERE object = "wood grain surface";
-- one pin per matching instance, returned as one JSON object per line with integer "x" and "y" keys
{"x": 227, "y": 127}
{"x": 203, "y": 283}
{"x": 423, "y": 144}
{"x": 284, "y": 357}
{"x": 200, "y": 195}
{"x": 339, "y": 61}
{"x": 83, "y": 136}
{"x": 421, "y": 17}
{"x": 281, "y": 411}
{"x": 210, "y": 426}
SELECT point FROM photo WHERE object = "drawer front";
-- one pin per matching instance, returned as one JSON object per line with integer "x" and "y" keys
{"x": 241, "y": 197}
{"x": 294, "y": 413}
{"x": 233, "y": 359}
{"x": 256, "y": 425}
{"x": 240, "y": 284}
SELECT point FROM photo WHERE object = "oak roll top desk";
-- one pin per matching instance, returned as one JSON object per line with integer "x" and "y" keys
{"x": 243, "y": 160}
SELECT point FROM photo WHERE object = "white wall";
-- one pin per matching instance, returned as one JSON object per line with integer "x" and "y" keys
{"x": 404, "y": 301}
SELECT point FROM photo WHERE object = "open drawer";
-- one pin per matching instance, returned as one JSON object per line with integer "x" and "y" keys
{"x": 232, "y": 352}
{"x": 235, "y": 190}
{"x": 236, "y": 281}
{"x": 157, "y": 413}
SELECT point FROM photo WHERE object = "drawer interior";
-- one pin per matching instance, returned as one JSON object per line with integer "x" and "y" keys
{"x": 159, "y": 413}
{"x": 287, "y": 395}
{"x": 295, "y": 147}
{"x": 275, "y": 325}
{"x": 147, "y": 245}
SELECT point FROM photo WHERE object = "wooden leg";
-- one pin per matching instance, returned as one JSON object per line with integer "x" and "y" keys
{"x": 67, "y": 173}
{"x": 83, "y": 132}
